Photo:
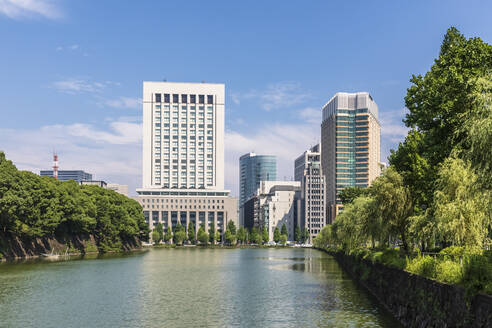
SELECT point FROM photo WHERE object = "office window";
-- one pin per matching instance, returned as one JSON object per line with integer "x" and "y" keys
{"x": 158, "y": 97}
{"x": 184, "y": 99}
{"x": 192, "y": 100}
{"x": 201, "y": 99}
{"x": 175, "y": 98}
{"x": 166, "y": 99}
{"x": 210, "y": 99}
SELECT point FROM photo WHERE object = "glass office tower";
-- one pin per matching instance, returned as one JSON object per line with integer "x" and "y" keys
{"x": 253, "y": 169}
{"x": 350, "y": 142}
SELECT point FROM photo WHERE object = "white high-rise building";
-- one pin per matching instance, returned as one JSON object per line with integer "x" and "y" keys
{"x": 183, "y": 155}
{"x": 312, "y": 207}
{"x": 183, "y": 135}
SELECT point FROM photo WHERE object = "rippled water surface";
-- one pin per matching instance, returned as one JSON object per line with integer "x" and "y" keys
{"x": 187, "y": 288}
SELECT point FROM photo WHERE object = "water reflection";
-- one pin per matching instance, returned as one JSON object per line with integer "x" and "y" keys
{"x": 187, "y": 288}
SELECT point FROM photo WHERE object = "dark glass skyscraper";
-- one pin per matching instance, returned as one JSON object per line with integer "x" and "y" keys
{"x": 253, "y": 169}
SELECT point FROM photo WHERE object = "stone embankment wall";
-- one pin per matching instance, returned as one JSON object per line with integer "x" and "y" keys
{"x": 417, "y": 301}
{"x": 16, "y": 248}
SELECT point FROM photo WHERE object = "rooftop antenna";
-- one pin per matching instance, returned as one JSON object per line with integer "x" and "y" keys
{"x": 55, "y": 165}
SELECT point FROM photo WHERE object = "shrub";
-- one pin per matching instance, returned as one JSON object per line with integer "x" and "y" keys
{"x": 449, "y": 272}
{"x": 422, "y": 265}
{"x": 477, "y": 273}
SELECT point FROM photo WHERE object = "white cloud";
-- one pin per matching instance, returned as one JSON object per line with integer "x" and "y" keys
{"x": 286, "y": 141}
{"x": 123, "y": 102}
{"x": 393, "y": 131}
{"x": 310, "y": 115}
{"x": 18, "y": 9}
{"x": 274, "y": 96}
{"x": 112, "y": 153}
{"x": 74, "y": 85}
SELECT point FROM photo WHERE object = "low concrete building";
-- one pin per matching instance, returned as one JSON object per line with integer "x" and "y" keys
{"x": 207, "y": 208}
{"x": 121, "y": 189}
{"x": 99, "y": 183}
{"x": 275, "y": 206}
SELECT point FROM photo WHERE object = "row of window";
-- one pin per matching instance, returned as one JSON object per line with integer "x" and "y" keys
{"x": 166, "y": 98}
{"x": 185, "y": 207}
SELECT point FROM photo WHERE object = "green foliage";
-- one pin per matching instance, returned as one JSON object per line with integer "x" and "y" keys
{"x": 265, "y": 235}
{"x": 191, "y": 232}
{"x": 217, "y": 236}
{"x": 211, "y": 233}
{"x": 156, "y": 237}
{"x": 448, "y": 271}
{"x": 255, "y": 236}
{"x": 168, "y": 236}
{"x": 304, "y": 235}
{"x": 276, "y": 235}
{"x": 32, "y": 206}
{"x": 283, "y": 231}
{"x": 348, "y": 194}
{"x": 179, "y": 235}
{"x": 202, "y": 236}
{"x": 423, "y": 266}
{"x": 477, "y": 273}
{"x": 231, "y": 226}
{"x": 283, "y": 239}
{"x": 460, "y": 210}
{"x": 297, "y": 234}
{"x": 241, "y": 235}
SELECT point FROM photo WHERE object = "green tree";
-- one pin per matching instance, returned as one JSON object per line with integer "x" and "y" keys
{"x": 202, "y": 235}
{"x": 211, "y": 233}
{"x": 217, "y": 236}
{"x": 297, "y": 234}
{"x": 304, "y": 235}
{"x": 348, "y": 194}
{"x": 241, "y": 235}
{"x": 168, "y": 236}
{"x": 191, "y": 232}
{"x": 155, "y": 236}
{"x": 255, "y": 236}
{"x": 276, "y": 235}
{"x": 179, "y": 235}
{"x": 394, "y": 206}
{"x": 265, "y": 237}
{"x": 438, "y": 104}
{"x": 283, "y": 239}
{"x": 231, "y": 227}
{"x": 230, "y": 238}
{"x": 460, "y": 210}
{"x": 283, "y": 231}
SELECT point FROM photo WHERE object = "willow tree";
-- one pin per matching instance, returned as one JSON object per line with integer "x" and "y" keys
{"x": 394, "y": 206}
{"x": 459, "y": 207}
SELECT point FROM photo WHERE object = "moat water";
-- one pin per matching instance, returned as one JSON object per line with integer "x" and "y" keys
{"x": 187, "y": 287}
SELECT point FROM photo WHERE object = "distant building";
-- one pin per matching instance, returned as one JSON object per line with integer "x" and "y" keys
{"x": 65, "y": 175}
{"x": 307, "y": 170}
{"x": 273, "y": 206}
{"x": 99, "y": 183}
{"x": 253, "y": 169}
{"x": 350, "y": 145}
{"x": 183, "y": 156}
{"x": 119, "y": 188}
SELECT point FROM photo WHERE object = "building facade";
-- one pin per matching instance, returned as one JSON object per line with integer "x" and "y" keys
{"x": 273, "y": 206}
{"x": 350, "y": 145}
{"x": 183, "y": 155}
{"x": 254, "y": 168}
{"x": 312, "y": 196}
{"x": 98, "y": 183}
{"x": 65, "y": 175}
{"x": 119, "y": 188}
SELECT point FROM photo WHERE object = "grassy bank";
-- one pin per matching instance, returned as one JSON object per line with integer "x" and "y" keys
{"x": 470, "y": 268}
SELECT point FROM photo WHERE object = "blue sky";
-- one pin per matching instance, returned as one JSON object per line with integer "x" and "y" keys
{"x": 71, "y": 72}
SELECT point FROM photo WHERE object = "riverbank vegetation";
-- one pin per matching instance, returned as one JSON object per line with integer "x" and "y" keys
{"x": 430, "y": 212}
{"x": 232, "y": 236}
{"x": 34, "y": 207}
